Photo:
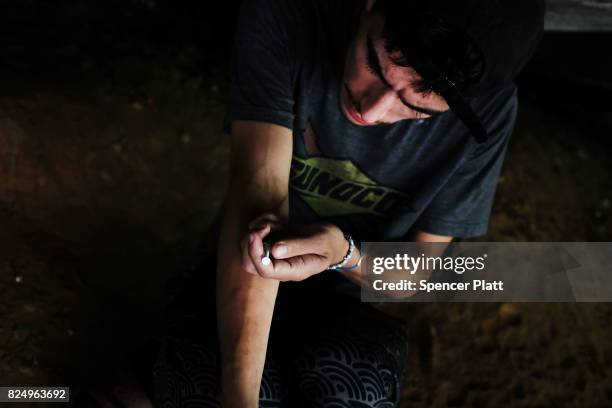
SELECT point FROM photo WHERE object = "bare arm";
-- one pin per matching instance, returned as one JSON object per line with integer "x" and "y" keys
{"x": 260, "y": 163}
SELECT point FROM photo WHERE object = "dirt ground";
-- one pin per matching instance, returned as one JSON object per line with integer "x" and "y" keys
{"x": 111, "y": 169}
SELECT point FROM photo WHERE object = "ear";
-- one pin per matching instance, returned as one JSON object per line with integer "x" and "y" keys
{"x": 370, "y": 5}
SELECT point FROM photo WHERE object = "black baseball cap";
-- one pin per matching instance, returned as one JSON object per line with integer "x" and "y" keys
{"x": 504, "y": 35}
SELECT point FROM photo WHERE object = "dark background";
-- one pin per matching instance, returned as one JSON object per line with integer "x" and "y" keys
{"x": 112, "y": 163}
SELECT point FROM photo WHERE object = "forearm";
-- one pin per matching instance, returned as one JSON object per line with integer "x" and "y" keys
{"x": 357, "y": 275}
{"x": 245, "y": 304}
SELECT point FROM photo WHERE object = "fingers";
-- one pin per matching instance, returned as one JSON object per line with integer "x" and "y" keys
{"x": 293, "y": 268}
{"x": 289, "y": 248}
{"x": 252, "y": 244}
{"x": 255, "y": 252}
{"x": 298, "y": 268}
{"x": 295, "y": 258}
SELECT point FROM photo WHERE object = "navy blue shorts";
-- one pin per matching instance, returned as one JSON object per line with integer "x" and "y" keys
{"x": 325, "y": 349}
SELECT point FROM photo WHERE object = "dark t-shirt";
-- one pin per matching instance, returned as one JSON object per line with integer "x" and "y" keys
{"x": 377, "y": 183}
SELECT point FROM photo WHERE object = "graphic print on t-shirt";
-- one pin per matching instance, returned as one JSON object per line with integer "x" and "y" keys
{"x": 333, "y": 186}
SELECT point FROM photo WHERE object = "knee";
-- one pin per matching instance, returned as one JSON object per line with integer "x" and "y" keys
{"x": 344, "y": 373}
{"x": 186, "y": 371}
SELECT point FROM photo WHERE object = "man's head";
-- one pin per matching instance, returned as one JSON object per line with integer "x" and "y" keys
{"x": 414, "y": 59}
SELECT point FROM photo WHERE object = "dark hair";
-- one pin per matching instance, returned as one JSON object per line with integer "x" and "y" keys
{"x": 444, "y": 56}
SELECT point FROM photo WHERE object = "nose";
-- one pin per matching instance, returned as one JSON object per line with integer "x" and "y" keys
{"x": 376, "y": 104}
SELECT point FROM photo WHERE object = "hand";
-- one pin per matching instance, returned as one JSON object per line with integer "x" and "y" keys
{"x": 303, "y": 251}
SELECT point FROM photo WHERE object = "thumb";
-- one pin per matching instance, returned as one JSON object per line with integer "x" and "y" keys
{"x": 292, "y": 247}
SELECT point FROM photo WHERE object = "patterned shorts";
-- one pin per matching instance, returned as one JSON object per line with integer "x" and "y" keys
{"x": 326, "y": 349}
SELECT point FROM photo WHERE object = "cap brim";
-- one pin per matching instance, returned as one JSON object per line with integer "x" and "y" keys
{"x": 460, "y": 106}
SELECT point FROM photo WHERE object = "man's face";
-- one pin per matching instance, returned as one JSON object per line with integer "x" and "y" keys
{"x": 375, "y": 90}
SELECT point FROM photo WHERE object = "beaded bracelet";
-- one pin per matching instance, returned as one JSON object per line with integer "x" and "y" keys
{"x": 350, "y": 268}
{"x": 348, "y": 255}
